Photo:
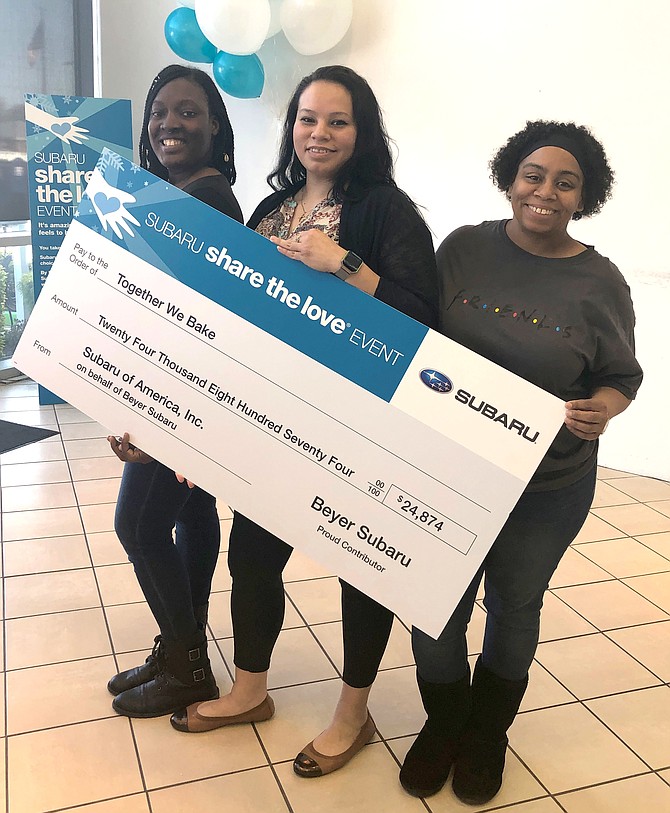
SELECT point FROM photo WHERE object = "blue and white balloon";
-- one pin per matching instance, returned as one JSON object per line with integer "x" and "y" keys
{"x": 185, "y": 38}
{"x": 235, "y": 26}
{"x": 239, "y": 76}
{"x": 314, "y": 26}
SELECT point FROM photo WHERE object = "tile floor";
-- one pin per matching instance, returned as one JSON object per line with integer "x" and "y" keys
{"x": 593, "y": 735}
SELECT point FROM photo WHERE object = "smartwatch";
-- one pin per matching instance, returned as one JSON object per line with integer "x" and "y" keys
{"x": 351, "y": 264}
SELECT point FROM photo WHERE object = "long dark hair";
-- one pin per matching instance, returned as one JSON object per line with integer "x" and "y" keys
{"x": 223, "y": 157}
{"x": 371, "y": 163}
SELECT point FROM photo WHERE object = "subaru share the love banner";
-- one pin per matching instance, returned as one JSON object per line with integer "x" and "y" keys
{"x": 378, "y": 447}
{"x": 65, "y": 136}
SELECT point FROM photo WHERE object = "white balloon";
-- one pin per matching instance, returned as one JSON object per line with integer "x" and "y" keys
{"x": 314, "y": 26}
{"x": 275, "y": 22}
{"x": 187, "y": 3}
{"x": 235, "y": 26}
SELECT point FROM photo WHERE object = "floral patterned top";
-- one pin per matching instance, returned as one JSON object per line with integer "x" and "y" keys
{"x": 325, "y": 216}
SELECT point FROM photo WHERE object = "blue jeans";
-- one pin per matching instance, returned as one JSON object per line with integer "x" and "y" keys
{"x": 175, "y": 577}
{"x": 516, "y": 573}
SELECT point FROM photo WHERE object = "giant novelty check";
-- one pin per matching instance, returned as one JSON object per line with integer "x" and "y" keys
{"x": 378, "y": 447}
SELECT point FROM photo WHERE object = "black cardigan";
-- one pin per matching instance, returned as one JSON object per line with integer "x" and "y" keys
{"x": 383, "y": 227}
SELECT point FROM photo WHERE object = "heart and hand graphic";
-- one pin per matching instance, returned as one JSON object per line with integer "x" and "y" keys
{"x": 106, "y": 205}
{"x": 65, "y": 127}
{"x": 67, "y": 130}
{"x": 110, "y": 205}
{"x": 61, "y": 129}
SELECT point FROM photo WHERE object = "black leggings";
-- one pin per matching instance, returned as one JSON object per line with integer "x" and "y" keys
{"x": 256, "y": 559}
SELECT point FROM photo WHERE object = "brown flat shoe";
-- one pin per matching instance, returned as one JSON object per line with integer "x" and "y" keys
{"x": 310, "y": 763}
{"x": 189, "y": 721}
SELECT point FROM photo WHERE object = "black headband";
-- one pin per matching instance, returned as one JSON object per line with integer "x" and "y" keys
{"x": 564, "y": 142}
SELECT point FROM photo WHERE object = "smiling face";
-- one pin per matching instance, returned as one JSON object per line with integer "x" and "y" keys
{"x": 546, "y": 192}
{"x": 324, "y": 133}
{"x": 181, "y": 130}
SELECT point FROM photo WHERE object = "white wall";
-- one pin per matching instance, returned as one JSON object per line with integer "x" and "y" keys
{"x": 455, "y": 81}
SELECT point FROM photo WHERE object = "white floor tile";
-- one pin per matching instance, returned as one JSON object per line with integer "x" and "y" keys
{"x": 594, "y": 722}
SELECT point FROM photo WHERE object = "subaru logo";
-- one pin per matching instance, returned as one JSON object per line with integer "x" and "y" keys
{"x": 436, "y": 381}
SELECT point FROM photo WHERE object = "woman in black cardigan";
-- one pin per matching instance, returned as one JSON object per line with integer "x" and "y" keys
{"x": 337, "y": 209}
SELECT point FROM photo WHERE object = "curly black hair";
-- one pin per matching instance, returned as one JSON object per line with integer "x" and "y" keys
{"x": 371, "y": 163}
{"x": 598, "y": 175}
{"x": 223, "y": 144}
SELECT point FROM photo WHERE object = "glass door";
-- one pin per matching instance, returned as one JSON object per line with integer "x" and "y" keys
{"x": 16, "y": 284}
{"x": 47, "y": 48}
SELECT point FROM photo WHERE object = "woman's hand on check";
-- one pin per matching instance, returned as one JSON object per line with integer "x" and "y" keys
{"x": 125, "y": 451}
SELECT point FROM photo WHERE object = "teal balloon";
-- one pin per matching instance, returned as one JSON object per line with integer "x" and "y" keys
{"x": 239, "y": 76}
{"x": 184, "y": 36}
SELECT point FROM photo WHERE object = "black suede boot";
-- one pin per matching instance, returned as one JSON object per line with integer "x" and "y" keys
{"x": 184, "y": 677}
{"x": 428, "y": 762}
{"x": 481, "y": 761}
{"x": 147, "y": 671}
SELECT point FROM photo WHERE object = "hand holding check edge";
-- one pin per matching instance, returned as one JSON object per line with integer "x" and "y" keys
{"x": 587, "y": 418}
{"x": 316, "y": 250}
{"x": 126, "y": 452}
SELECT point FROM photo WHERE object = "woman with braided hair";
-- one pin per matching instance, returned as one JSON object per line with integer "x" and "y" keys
{"x": 187, "y": 140}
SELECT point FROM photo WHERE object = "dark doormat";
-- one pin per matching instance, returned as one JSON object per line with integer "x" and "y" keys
{"x": 14, "y": 435}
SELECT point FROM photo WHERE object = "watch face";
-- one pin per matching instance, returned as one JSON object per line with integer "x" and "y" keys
{"x": 352, "y": 262}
